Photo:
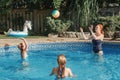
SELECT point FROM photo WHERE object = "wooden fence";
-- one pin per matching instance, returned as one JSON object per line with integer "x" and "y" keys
{"x": 16, "y": 19}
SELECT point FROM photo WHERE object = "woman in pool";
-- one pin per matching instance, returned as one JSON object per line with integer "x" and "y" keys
{"x": 23, "y": 47}
{"x": 61, "y": 71}
{"x": 97, "y": 38}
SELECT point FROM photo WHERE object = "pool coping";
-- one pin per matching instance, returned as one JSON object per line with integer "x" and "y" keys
{"x": 16, "y": 41}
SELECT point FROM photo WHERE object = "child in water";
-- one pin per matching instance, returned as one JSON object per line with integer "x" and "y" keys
{"x": 62, "y": 71}
{"x": 23, "y": 47}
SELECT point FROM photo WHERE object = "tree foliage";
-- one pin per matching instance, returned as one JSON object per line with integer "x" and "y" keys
{"x": 57, "y": 3}
{"x": 81, "y": 12}
{"x": 5, "y": 6}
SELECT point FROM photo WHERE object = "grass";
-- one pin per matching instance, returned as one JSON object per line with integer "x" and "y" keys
{"x": 8, "y": 37}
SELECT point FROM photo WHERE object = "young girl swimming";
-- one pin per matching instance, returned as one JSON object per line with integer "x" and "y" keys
{"x": 62, "y": 71}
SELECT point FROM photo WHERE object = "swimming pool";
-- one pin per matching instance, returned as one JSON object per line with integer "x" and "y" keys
{"x": 42, "y": 58}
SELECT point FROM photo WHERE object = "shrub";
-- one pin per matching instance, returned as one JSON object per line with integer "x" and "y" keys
{"x": 57, "y": 25}
{"x": 111, "y": 23}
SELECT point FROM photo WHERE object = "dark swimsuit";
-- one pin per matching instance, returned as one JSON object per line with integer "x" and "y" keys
{"x": 59, "y": 78}
{"x": 97, "y": 45}
{"x": 61, "y": 70}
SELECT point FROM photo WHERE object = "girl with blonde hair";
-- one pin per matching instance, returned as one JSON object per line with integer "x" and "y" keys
{"x": 62, "y": 71}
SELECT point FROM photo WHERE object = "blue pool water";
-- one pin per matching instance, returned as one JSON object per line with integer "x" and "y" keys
{"x": 42, "y": 58}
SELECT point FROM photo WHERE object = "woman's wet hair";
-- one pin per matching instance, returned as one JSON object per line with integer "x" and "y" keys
{"x": 101, "y": 28}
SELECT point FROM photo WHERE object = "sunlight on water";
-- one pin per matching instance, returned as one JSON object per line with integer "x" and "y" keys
{"x": 42, "y": 58}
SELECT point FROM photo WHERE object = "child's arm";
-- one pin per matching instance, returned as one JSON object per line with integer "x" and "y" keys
{"x": 53, "y": 71}
{"x": 71, "y": 74}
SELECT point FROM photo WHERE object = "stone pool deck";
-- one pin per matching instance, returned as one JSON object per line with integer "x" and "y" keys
{"x": 16, "y": 41}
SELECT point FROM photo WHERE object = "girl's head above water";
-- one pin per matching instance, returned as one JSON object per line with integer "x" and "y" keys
{"x": 61, "y": 59}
